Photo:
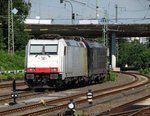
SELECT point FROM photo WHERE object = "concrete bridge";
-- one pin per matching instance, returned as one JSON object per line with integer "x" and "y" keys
{"x": 91, "y": 30}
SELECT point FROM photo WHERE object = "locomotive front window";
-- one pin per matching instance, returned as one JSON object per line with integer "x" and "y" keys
{"x": 48, "y": 49}
{"x": 51, "y": 49}
{"x": 36, "y": 49}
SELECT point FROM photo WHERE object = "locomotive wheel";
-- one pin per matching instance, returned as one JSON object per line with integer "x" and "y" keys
{"x": 59, "y": 85}
{"x": 96, "y": 80}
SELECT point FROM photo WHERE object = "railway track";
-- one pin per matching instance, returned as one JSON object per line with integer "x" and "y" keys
{"x": 54, "y": 105}
{"x": 8, "y": 85}
{"x": 142, "y": 112}
{"x": 21, "y": 95}
{"x": 139, "y": 111}
{"x": 134, "y": 112}
{"x": 129, "y": 109}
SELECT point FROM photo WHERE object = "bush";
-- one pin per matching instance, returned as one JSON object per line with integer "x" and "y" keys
{"x": 11, "y": 76}
{"x": 145, "y": 71}
{"x": 11, "y": 62}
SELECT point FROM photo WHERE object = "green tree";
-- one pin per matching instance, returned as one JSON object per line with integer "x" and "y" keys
{"x": 123, "y": 52}
{"x": 2, "y": 45}
{"x": 146, "y": 57}
{"x": 148, "y": 42}
{"x": 134, "y": 54}
{"x": 2, "y": 21}
{"x": 20, "y": 35}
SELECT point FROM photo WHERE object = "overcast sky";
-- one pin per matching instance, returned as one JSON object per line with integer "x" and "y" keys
{"x": 129, "y": 11}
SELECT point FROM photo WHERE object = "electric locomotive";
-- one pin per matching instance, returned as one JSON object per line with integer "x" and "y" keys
{"x": 63, "y": 61}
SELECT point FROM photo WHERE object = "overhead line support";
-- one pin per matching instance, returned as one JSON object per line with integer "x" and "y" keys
{"x": 10, "y": 28}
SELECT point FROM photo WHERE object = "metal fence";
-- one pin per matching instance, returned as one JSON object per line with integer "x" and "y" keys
{"x": 12, "y": 71}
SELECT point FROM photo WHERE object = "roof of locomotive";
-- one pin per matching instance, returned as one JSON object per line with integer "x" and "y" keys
{"x": 92, "y": 44}
{"x": 74, "y": 43}
{"x": 70, "y": 40}
{"x": 41, "y": 41}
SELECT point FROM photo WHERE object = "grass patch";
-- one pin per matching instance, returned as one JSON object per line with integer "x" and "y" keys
{"x": 113, "y": 76}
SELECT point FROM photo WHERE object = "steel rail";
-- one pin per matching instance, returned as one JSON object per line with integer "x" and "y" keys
{"x": 10, "y": 84}
{"x": 21, "y": 95}
{"x": 120, "y": 108}
{"x": 142, "y": 112}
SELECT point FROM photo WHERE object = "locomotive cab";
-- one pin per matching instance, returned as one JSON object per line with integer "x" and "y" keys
{"x": 43, "y": 62}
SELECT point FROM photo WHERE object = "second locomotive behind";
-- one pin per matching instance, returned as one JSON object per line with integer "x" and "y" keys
{"x": 61, "y": 62}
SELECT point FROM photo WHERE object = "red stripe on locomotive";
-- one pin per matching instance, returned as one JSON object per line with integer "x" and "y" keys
{"x": 42, "y": 70}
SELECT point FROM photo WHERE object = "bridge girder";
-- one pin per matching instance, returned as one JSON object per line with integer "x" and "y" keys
{"x": 91, "y": 31}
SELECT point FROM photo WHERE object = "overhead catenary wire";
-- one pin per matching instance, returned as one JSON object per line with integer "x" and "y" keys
{"x": 100, "y": 10}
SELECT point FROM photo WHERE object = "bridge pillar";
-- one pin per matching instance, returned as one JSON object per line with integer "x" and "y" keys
{"x": 113, "y": 51}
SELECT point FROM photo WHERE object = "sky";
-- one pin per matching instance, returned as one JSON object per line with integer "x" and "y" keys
{"x": 129, "y": 11}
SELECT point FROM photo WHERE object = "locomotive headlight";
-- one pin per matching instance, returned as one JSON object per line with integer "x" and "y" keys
{"x": 54, "y": 70}
{"x": 32, "y": 69}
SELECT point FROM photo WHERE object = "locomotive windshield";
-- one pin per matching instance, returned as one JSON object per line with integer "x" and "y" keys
{"x": 43, "y": 49}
